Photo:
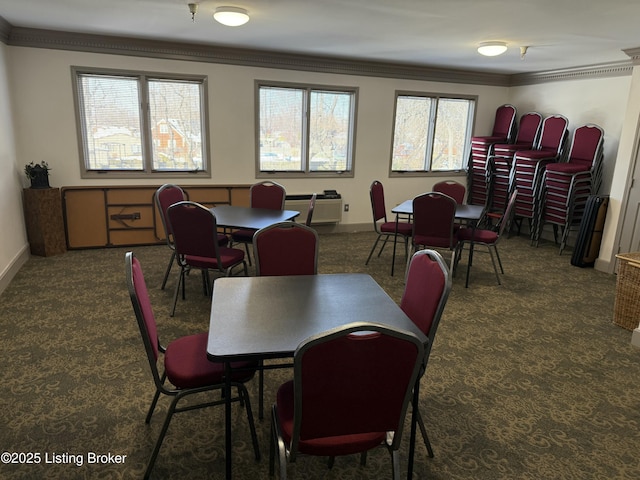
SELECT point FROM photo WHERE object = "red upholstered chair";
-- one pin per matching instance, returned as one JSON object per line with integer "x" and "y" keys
{"x": 165, "y": 196}
{"x": 195, "y": 235}
{"x": 286, "y": 248}
{"x": 351, "y": 388}
{"x": 433, "y": 224}
{"x": 454, "y": 189}
{"x": 185, "y": 362}
{"x": 382, "y": 226}
{"x": 269, "y": 195}
{"x": 426, "y": 290}
{"x": 489, "y": 238}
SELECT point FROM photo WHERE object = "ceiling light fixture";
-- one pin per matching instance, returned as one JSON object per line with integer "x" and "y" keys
{"x": 491, "y": 49}
{"x": 193, "y": 9}
{"x": 231, "y": 16}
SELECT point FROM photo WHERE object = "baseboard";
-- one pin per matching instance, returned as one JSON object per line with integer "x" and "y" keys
{"x": 635, "y": 338}
{"x": 14, "y": 267}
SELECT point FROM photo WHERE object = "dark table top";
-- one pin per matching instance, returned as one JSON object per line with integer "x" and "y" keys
{"x": 268, "y": 317}
{"x": 463, "y": 212}
{"x": 247, "y": 217}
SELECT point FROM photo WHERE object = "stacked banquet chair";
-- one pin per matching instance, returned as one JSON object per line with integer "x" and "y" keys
{"x": 566, "y": 186}
{"x": 499, "y": 164}
{"x": 529, "y": 165}
{"x": 482, "y": 148}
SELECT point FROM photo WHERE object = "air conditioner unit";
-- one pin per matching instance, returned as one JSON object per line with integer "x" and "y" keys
{"x": 327, "y": 210}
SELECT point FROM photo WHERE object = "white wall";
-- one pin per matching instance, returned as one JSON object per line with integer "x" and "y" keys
{"x": 46, "y": 127}
{"x": 40, "y": 89}
{"x": 13, "y": 241}
{"x": 600, "y": 101}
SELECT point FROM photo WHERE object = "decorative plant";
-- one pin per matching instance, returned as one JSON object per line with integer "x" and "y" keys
{"x": 31, "y": 169}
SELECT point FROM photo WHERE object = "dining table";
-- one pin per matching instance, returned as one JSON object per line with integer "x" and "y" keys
{"x": 261, "y": 318}
{"x": 233, "y": 216}
{"x": 470, "y": 214}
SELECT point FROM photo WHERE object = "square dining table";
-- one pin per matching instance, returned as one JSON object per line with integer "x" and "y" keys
{"x": 231, "y": 216}
{"x": 258, "y": 318}
{"x": 467, "y": 213}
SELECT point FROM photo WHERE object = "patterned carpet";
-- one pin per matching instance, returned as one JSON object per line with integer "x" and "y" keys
{"x": 528, "y": 380}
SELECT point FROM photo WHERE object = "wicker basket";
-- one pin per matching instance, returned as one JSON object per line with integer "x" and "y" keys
{"x": 626, "y": 311}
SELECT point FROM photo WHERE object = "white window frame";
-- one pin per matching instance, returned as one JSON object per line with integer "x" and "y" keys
{"x": 305, "y": 171}
{"x": 142, "y": 78}
{"x": 428, "y": 172}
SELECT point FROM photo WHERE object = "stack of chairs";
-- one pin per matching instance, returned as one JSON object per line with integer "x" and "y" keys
{"x": 500, "y": 163}
{"x": 482, "y": 148}
{"x": 529, "y": 166}
{"x": 566, "y": 186}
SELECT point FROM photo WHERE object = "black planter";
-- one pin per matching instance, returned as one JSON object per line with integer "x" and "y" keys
{"x": 39, "y": 177}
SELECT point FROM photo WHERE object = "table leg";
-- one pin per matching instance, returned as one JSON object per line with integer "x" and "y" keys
{"x": 414, "y": 421}
{"x": 227, "y": 419}
{"x": 395, "y": 242}
{"x": 470, "y": 261}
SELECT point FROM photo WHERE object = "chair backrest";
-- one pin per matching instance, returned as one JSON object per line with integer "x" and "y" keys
{"x": 376, "y": 191}
{"x": 354, "y": 379}
{"x": 426, "y": 290}
{"x": 454, "y": 189}
{"x": 165, "y": 196}
{"x": 312, "y": 207}
{"x": 267, "y": 194}
{"x": 144, "y": 313}
{"x": 504, "y": 123}
{"x": 433, "y": 219}
{"x": 194, "y": 230}
{"x": 286, "y": 248}
{"x": 529, "y": 128}
{"x": 586, "y": 144}
{"x": 554, "y": 133}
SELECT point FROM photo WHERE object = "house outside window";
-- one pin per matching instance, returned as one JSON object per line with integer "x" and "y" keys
{"x": 431, "y": 133}
{"x": 134, "y": 124}
{"x": 305, "y": 130}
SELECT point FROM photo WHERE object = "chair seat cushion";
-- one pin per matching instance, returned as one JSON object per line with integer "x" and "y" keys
{"x": 187, "y": 365}
{"x": 404, "y": 228}
{"x": 244, "y": 235}
{"x": 575, "y": 167}
{"x": 327, "y": 446}
{"x": 223, "y": 240}
{"x": 228, "y": 257}
{"x": 430, "y": 241}
{"x": 536, "y": 154}
{"x": 479, "y": 235}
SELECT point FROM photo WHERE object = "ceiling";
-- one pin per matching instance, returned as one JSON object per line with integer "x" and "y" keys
{"x": 559, "y": 34}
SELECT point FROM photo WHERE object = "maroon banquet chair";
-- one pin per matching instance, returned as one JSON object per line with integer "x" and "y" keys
{"x": 185, "y": 362}
{"x": 482, "y": 147}
{"x": 382, "y": 226}
{"x": 566, "y": 186}
{"x": 164, "y": 197}
{"x": 489, "y": 237}
{"x": 452, "y": 188}
{"x": 269, "y": 195}
{"x": 501, "y": 162}
{"x": 286, "y": 248}
{"x": 434, "y": 224}
{"x": 195, "y": 234}
{"x": 426, "y": 290}
{"x": 350, "y": 393}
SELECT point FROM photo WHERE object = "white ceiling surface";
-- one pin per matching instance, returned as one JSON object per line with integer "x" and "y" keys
{"x": 437, "y": 33}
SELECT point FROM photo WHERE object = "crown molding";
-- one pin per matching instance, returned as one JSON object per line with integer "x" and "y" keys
{"x": 39, "y": 38}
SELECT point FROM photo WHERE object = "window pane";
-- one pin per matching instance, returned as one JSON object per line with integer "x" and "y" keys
{"x": 176, "y": 125}
{"x": 281, "y": 129}
{"x": 411, "y": 133}
{"x": 111, "y": 122}
{"x": 330, "y": 120}
{"x": 450, "y": 134}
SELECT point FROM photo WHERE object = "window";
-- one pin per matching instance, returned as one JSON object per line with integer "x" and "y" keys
{"x": 137, "y": 124}
{"x": 431, "y": 133}
{"x": 305, "y": 130}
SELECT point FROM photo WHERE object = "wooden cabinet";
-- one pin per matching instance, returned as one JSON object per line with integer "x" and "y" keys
{"x": 43, "y": 218}
{"x": 121, "y": 216}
